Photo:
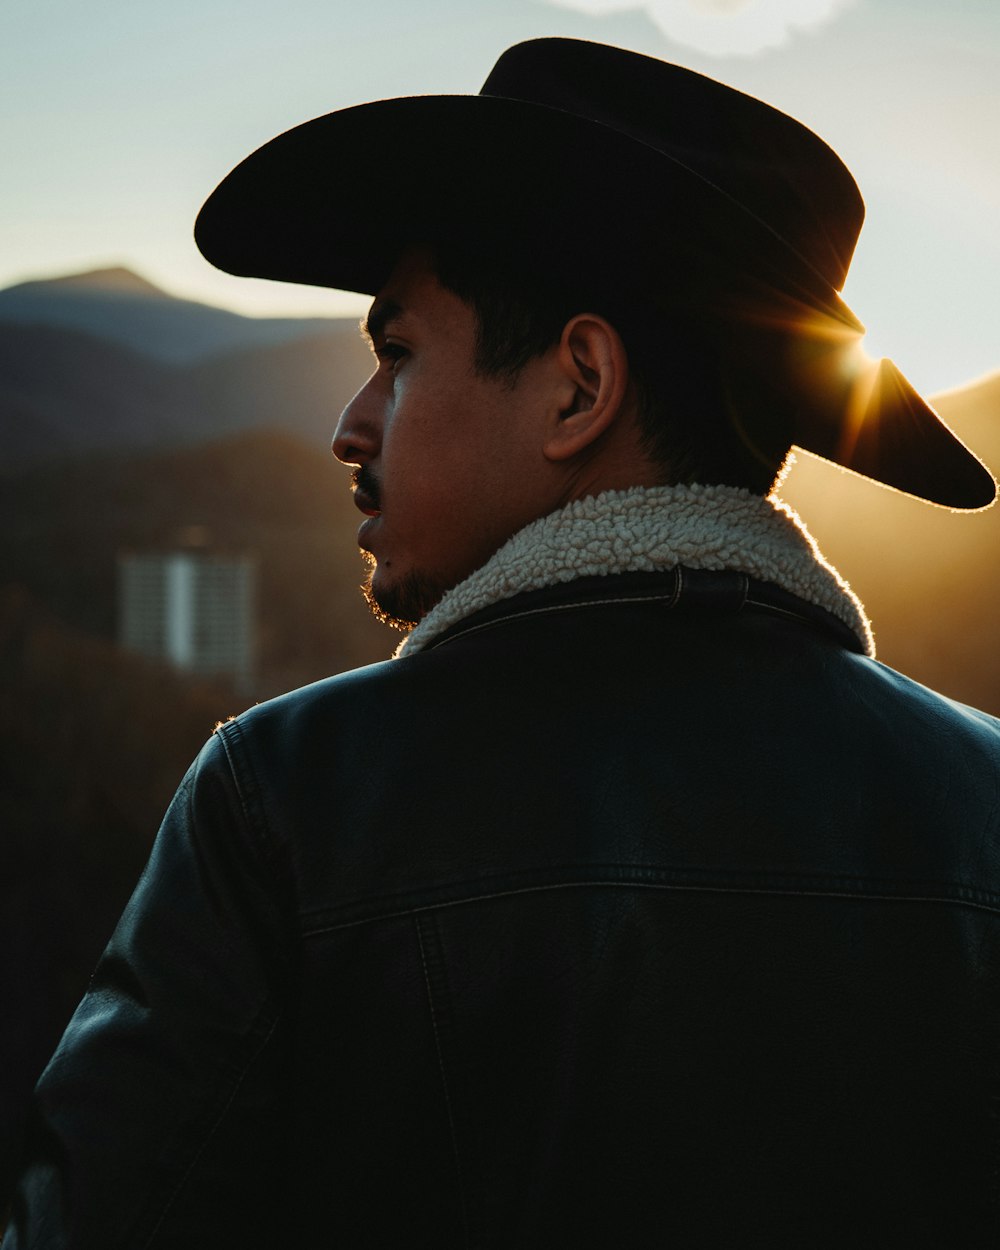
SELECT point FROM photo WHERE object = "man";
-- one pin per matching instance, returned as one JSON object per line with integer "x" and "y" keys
{"x": 633, "y": 903}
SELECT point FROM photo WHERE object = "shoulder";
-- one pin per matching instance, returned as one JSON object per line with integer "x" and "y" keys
{"x": 294, "y": 753}
{"x": 903, "y": 697}
{"x": 350, "y": 700}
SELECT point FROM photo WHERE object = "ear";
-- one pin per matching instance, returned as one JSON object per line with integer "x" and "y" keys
{"x": 594, "y": 367}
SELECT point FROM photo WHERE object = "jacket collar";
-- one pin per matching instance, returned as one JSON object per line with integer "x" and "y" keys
{"x": 649, "y": 530}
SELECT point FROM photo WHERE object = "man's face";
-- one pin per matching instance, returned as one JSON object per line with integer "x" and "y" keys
{"x": 450, "y": 463}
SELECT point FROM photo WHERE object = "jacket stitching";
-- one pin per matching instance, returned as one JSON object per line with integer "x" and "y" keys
{"x": 555, "y": 607}
{"x": 248, "y": 788}
{"x": 444, "y": 1077}
{"x": 227, "y": 747}
{"x": 671, "y": 600}
{"x": 650, "y": 885}
{"x": 650, "y": 874}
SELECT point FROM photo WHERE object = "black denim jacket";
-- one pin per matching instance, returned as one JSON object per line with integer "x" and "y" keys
{"x": 606, "y": 924}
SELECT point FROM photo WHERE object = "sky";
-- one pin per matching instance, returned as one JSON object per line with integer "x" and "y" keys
{"x": 117, "y": 118}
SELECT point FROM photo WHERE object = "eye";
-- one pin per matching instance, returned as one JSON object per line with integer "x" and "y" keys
{"x": 391, "y": 354}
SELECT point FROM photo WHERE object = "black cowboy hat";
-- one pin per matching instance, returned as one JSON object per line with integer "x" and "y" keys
{"x": 567, "y": 136}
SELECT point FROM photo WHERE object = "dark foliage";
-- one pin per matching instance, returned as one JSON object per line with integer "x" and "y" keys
{"x": 92, "y": 744}
{"x": 93, "y": 741}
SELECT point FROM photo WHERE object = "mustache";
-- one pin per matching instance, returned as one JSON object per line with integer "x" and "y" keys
{"x": 365, "y": 481}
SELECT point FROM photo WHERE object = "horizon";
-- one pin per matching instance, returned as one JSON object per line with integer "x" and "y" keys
{"x": 80, "y": 276}
{"x": 143, "y": 282}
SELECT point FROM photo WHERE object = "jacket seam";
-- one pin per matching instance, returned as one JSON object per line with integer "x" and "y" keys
{"x": 237, "y": 1085}
{"x": 553, "y": 607}
{"x": 248, "y": 788}
{"x": 671, "y": 600}
{"x": 448, "y": 1102}
{"x": 769, "y": 891}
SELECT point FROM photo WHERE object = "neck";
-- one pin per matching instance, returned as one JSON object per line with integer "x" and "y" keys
{"x": 647, "y": 529}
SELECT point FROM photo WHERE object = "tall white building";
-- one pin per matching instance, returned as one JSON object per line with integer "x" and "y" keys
{"x": 192, "y": 608}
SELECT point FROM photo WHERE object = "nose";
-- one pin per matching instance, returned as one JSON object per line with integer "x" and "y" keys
{"x": 356, "y": 438}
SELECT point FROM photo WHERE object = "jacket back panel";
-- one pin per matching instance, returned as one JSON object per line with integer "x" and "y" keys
{"x": 634, "y": 915}
{"x": 586, "y": 924}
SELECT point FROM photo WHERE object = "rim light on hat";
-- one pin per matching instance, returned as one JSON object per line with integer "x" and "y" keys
{"x": 677, "y": 154}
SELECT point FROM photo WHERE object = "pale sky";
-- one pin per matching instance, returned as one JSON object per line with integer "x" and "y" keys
{"x": 117, "y": 117}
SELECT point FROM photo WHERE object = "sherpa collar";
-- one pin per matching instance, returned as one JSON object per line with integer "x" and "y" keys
{"x": 649, "y": 529}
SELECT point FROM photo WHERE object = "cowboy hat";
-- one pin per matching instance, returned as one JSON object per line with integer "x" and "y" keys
{"x": 566, "y": 135}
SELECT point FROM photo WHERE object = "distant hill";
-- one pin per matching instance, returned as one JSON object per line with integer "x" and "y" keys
{"x": 126, "y": 309}
{"x": 68, "y": 391}
{"x": 300, "y": 387}
{"x": 114, "y": 281}
{"x": 64, "y": 391}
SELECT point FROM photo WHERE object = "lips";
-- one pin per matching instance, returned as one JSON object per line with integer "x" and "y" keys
{"x": 366, "y": 504}
{"x": 366, "y": 492}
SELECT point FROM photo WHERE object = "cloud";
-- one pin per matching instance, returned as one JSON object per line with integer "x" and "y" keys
{"x": 723, "y": 27}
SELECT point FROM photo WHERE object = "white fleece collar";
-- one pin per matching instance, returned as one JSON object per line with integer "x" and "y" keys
{"x": 649, "y": 529}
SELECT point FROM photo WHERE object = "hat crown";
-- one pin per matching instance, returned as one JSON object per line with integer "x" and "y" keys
{"x": 766, "y": 162}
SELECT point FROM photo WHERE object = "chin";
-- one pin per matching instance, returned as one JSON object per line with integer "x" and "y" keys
{"x": 401, "y": 602}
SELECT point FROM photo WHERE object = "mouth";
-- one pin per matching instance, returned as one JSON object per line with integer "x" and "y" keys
{"x": 365, "y": 493}
{"x": 365, "y": 504}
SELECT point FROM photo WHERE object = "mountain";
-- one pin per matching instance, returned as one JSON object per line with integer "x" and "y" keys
{"x": 66, "y": 391}
{"x": 114, "y": 281}
{"x": 300, "y": 387}
{"x": 124, "y": 308}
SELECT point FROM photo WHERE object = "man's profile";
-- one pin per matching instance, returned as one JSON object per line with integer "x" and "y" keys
{"x": 633, "y": 902}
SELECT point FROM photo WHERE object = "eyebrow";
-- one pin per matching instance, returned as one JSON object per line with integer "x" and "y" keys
{"x": 380, "y": 314}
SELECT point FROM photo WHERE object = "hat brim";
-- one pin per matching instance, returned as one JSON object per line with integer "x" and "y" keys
{"x": 333, "y": 203}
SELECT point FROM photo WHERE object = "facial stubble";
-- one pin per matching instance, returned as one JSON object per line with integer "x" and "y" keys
{"x": 403, "y": 604}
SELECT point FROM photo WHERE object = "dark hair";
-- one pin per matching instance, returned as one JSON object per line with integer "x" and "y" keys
{"x": 696, "y": 402}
